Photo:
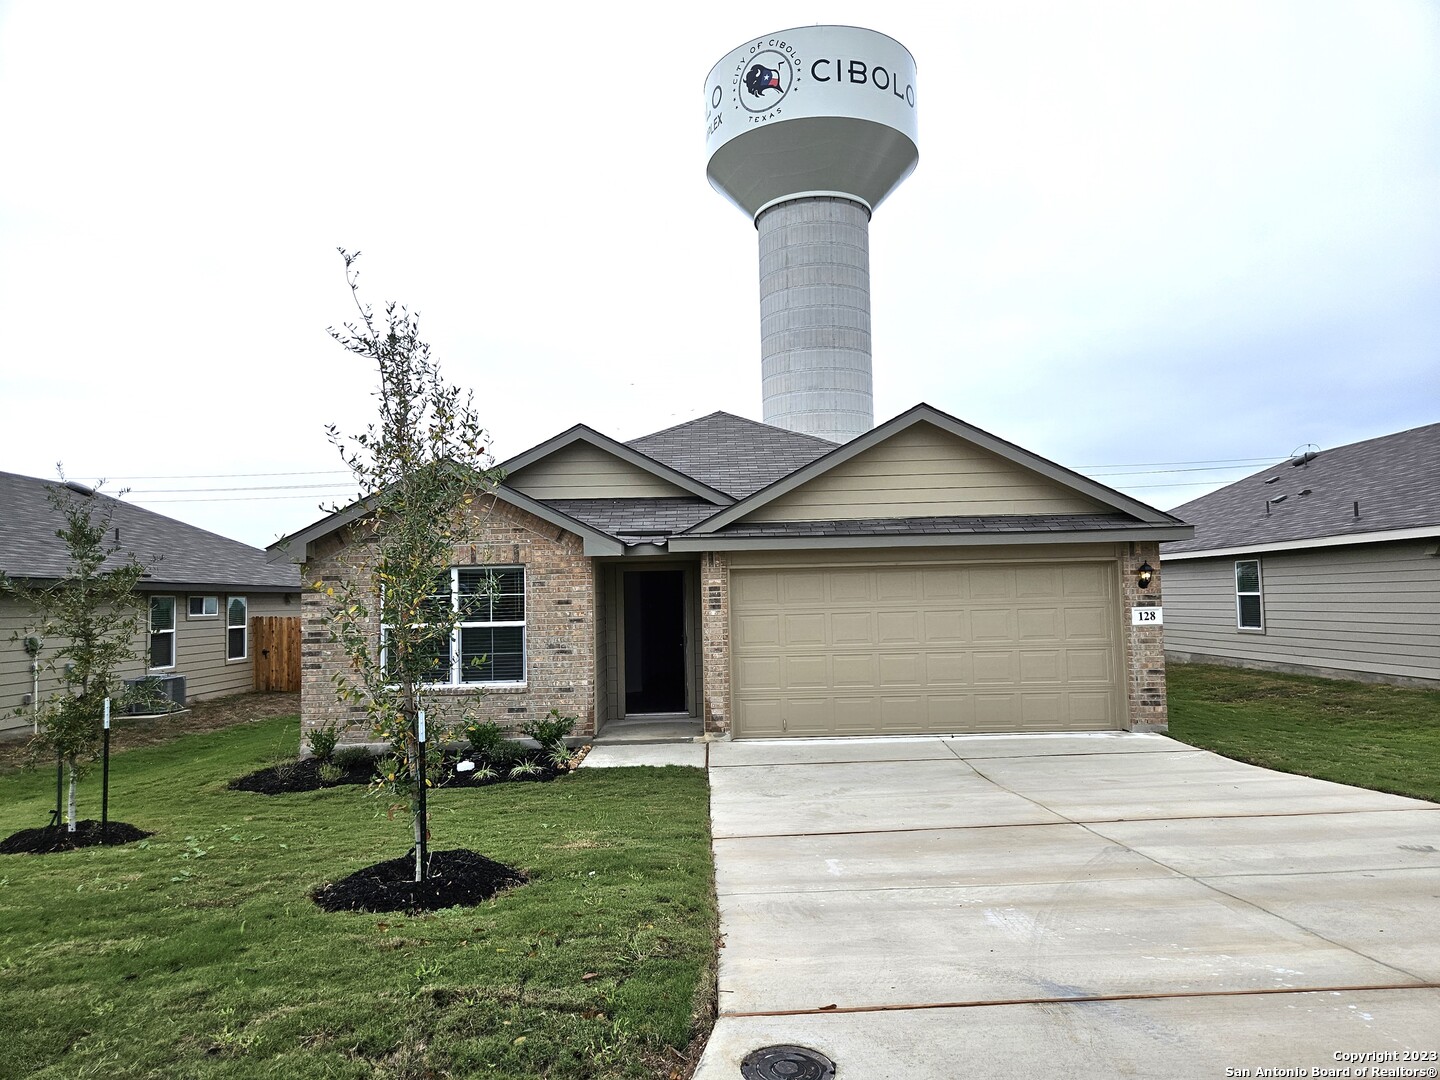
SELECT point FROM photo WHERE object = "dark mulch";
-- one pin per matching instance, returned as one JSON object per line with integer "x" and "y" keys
{"x": 455, "y": 878}
{"x": 298, "y": 776}
{"x": 87, "y": 833}
{"x": 305, "y": 776}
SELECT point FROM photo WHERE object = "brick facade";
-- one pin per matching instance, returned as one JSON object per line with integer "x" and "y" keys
{"x": 560, "y": 629}
{"x": 1144, "y": 645}
{"x": 715, "y": 641}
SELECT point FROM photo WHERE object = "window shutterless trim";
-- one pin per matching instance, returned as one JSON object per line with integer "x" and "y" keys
{"x": 243, "y": 628}
{"x": 457, "y": 680}
{"x": 1241, "y": 594}
{"x": 191, "y": 613}
{"x": 153, "y": 634}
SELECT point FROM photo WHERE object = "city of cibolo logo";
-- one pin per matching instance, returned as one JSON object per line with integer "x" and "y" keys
{"x": 772, "y": 70}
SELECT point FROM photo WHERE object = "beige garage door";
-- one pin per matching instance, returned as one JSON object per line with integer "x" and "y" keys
{"x": 928, "y": 649}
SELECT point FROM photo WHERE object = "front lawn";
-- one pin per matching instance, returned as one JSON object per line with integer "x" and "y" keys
{"x": 198, "y": 952}
{"x": 1381, "y": 737}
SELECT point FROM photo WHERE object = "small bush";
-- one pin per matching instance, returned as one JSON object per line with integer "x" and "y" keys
{"x": 506, "y": 754}
{"x": 330, "y": 772}
{"x": 552, "y": 731}
{"x": 485, "y": 737}
{"x": 322, "y": 741}
{"x": 525, "y": 768}
{"x": 353, "y": 757}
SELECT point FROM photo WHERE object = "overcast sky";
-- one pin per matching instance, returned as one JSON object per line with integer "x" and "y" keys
{"x": 1139, "y": 233}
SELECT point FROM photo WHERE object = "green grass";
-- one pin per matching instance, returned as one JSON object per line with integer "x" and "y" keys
{"x": 1381, "y": 737}
{"x": 198, "y": 953}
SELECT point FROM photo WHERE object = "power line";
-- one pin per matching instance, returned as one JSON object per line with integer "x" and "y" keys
{"x": 233, "y": 476}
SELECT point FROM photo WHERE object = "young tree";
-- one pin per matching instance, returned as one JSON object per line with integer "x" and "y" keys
{"x": 96, "y": 614}
{"x": 419, "y": 468}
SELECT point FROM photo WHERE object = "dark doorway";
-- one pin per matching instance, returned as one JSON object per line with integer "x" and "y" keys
{"x": 654, "y": 641}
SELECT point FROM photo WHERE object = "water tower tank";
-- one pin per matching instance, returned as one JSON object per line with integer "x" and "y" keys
{"x": 808, "y": 130}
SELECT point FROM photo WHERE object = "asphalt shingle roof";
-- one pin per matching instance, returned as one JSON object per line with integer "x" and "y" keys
{"x": 175, "y": 553}
{"x": 1395, "y": 479}
{"x": 636, "y": 517}
{"x": 730, "y": 453}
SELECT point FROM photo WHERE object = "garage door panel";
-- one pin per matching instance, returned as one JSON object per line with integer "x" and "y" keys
{"x": 852, "y": 628}
{"x": 945, "y": 670}
{"x": 1038, "y": 624}
{"x": 992, "y": 624}
{"x": 897, "y": 627}
{"x": 806, "y": 671}
{"x": 899, "y": 670}
{"x": 1041, "y": 666}
{"x": 941, "y": 649}
{"x": 855, "y": 671}
{"x": 992, "y": 668}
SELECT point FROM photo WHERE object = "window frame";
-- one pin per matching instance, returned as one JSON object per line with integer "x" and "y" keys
{"x": 1258, "y": 593}
{"x": 153, "y": 633}
{"x": 244, "y": 629}
{"x": 456, "y": 680}
{"x": 202, "y": 613}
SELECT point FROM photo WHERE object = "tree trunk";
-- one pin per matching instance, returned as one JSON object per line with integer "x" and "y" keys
{"x": 70, "y": 810}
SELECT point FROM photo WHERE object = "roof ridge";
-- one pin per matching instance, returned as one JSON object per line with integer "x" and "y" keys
{"x": 729, "y": 416}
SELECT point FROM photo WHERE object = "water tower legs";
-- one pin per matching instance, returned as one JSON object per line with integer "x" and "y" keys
{"x": 815, "y": 317}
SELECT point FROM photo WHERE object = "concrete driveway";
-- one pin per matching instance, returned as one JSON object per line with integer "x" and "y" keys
{"x": 1067, "y": 905}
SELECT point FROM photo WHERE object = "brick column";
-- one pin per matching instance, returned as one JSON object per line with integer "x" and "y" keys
{"x": 715, "y": 641}
{"x": 1145, "y": 644}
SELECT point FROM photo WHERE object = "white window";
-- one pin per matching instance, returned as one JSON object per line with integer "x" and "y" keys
{"x": 237, "y": 629}
{"x": 1249, "y": 609}
{"x": 204, "y": 607}
{"x": 162, "y": 632}
{"x": 487, "y": 646}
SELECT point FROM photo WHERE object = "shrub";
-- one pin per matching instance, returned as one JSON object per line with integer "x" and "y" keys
{"x": 526, "y": 768}
{"x": 551, "y": 732}
{"x": 353, "y": 757}
{"x": 485, "y": 737}
{"x": 330, "y": 772}
{"x": 322, "y": 741}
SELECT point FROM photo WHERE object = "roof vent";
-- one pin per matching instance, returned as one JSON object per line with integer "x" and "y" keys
{"x": 1279, "y": 498}
{"x": 75, "y": 485}
{"x": 1303, "y": 492}
{"x": 1271, "y": 479}
{"x": 1303, "y": 455}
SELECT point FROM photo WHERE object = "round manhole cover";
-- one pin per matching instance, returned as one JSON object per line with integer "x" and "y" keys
{"x": 786, "y": 1063}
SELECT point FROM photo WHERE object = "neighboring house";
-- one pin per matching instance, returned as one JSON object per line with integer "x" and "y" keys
{"x": 1326, "y": 565}
{"x": 198, "y": 595}
{"x": 925, "y": 577}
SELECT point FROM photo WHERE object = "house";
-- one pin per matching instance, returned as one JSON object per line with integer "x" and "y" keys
{"x": 200, "y": 593}
{"x": 1325, "y": 565}
{"x": 924, "y": 577}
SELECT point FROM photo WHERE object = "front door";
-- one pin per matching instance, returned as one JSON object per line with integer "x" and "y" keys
{"x": 654, "y": 641}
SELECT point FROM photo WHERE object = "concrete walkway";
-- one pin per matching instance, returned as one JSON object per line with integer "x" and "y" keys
{"x": 1045, "y": 906}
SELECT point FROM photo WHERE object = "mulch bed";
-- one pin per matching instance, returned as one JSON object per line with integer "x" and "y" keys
{"x": 305, "y": 776}
{"x": 455, "y": 878}
{"x": 87, "y": 833}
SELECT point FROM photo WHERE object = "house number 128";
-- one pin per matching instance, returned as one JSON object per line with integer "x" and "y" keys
{"x": 1147, "y": 616}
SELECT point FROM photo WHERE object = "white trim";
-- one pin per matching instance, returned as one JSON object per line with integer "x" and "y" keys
{"x": 245, "y": 627}
{"x": 457, "y": 631}
{"x": 1259, "y": 595}
{"x": 150, "y": 632}
{"x": 1424, "y": 532}
{"x": 847, "y": 196}
{"x": 202, "y": 597}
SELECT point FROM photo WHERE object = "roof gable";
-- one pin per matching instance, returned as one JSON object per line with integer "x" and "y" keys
{"x": 736, "y": 455}
{"x": 1365, "y": 489}
{"x": 581, "y": 463}
{"x": 927, "y": 463}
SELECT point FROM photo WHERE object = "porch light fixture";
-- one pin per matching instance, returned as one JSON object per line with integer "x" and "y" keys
{"x": 1145, "y": 575}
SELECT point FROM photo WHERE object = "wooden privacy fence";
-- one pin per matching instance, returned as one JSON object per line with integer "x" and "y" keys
{"x": 275, "y": 647}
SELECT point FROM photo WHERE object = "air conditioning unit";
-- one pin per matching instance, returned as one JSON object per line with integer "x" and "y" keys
{"x": 156, "y": 694}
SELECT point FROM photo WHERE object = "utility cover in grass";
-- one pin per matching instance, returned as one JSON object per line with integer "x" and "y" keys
{"x": 51, "y": 838}
{"x": 455, "y": 878}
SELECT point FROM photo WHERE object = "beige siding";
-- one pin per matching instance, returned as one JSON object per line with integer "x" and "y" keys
{"x": 1369, "y": 609}
{"x": 926, "y": 646}
{"x": 199, "y": 648}
{"x": 583, "y": 471}
{"x": 924, "y": 472}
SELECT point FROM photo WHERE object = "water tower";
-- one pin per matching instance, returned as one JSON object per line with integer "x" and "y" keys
{"x": 808, "y": 130}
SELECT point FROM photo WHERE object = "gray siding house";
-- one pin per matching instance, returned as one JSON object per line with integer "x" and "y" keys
{"x": 199, "y": 595}
{"x": 1326, "y": 564}
{"x": 925, "y": 577}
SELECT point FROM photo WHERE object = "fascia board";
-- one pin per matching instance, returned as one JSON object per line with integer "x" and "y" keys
{"x": 929, "y": 414}
{"x": 1425, "y": 532}
{"x": 584, "y": 433}
{"x": 297, "y": 546}
{"x": 803, "y": 543}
